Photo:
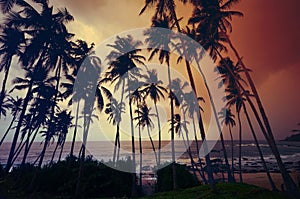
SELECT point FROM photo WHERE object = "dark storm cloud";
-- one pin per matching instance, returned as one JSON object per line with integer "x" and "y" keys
{"x": 268, "y": 35}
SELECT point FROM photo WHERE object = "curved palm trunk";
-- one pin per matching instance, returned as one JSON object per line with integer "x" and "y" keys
{"x": 152, "y": 144}
{"x": 18, "y": 128}
{"x": 197, "y": 148}
{"x": 75, "y": 129}
{"x": 259, "y": 150}
{"x": 232, "y": 159}
{"x": 188, "y": 148}
{"x": 240, "y": 147}
{"x": 8, "y": 129}
{"x": 62, "y": 149}
{"x": 54, "y": 152}
{"x": 288, "y": 181}
{"x": 159, "y": 132}
{"x": 230, "y": 177}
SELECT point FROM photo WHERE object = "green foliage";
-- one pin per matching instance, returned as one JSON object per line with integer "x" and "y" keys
{"x": 184, "y": 178}
{"x": 224, "y": 191}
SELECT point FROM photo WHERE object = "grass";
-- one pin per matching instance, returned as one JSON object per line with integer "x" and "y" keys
{"x": 224, "y": 191}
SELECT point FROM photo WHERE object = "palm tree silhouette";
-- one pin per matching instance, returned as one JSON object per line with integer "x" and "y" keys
{"x": 15, "y": 108}
{"x": 11, "y": 41}
{"x": 228, "y": 119}
{"x": 154, "y": 90}
{"x": 123, "y": 62}
{"x": 138, "y": 98}
{"x": 161, "y": 46}
{"x": 144, "y": 119}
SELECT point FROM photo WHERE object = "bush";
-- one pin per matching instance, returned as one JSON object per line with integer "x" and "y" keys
{"x": 60, "y": 179}
{"x": 184, "y": 178}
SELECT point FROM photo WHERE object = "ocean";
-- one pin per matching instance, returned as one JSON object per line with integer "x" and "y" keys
{"x": 103, "y": 151}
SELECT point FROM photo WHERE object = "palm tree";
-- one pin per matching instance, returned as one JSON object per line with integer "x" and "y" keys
{"x": 114, "y": 111}
{"x": 33, "y": 77}
{"x": 219, "y": 33}
{"x": 137, "y": 98}
{"x": 154, "y": 89}
{"x": 123, "y": 62}
{"x": 160, "y": 45}
{"x": 144, "y": 119}
{"x": 228, "y": 119}
{"x": 11, "y": 41}
{"x": 80, "y": 51}
{"x": 63, "y": 122}
{"x": 15, "y": 108}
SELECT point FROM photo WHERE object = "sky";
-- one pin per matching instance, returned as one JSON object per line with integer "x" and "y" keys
{"x": 267, "y": 37}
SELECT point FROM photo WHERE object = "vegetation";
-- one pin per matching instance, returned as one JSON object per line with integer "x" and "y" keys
{"x": 223, "y": 190}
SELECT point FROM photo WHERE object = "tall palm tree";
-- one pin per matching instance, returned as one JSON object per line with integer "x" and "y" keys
{"x": 228, "y": 119}
{"x": 11, "y": 41}
{"x": 137, "y": 98}
{"x": 144, "y": 120}
{"x": 154, "y": 89}
{"x": 15, "y": 108}
{"x": 63, "y": 122}
{"x": 123, "y": 62}
{"x": 219, "y": 31}
{"x": 33, "y": 77}
{"x": 161, "y": 46}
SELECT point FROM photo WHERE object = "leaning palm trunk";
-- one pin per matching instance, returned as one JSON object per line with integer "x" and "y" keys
{"x": 230, "y": 178}
{"x": 152, "y": 144}
{"x": 141, "y": 150}
{"x": 159, "y": 132}
{"x": 62, "y": 149}
{"x": 288, "y": 181}
{"x": 18, "y": 128}
{"x": 240, "y": 147}
{"x": 232, "y": 159}
{"x": 197, "y": 148}
{"x": 54, "y": 152}
{"x": 188, "y": 148}
{"x": 8, "y": 129}
{"x": 259, "y": 149}
{"x": 75, "y": 129}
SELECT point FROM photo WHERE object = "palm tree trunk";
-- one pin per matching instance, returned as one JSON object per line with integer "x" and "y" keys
{"x": 152, "y": 144}
{"x": 259, "y": 150}
{"x": 289, "y": 183}
{"x": 159, "y": 132}
{"x": 62, "y": 149}
{"x": 75, "y": 129}
{"x": 141, "y": 151}
{"x": 232, "y": 159}
{"x": 133, "y": 191}
{"x": 8, "y": 129}
{"x": 230, "y": 178}
{"x": 197, "y": 148}
{"x": 172, "y": 132}
{"x": 18, "y": 128}
{"x": 240, "y": 147}
{"x": 54, "y": 152}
